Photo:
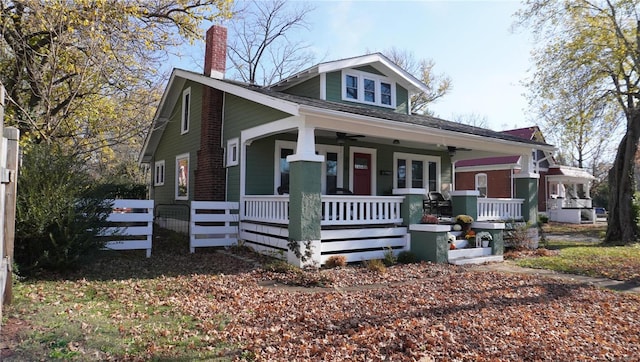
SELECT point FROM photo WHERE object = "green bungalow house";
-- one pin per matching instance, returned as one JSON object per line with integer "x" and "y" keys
{"x": 330, "y": 160}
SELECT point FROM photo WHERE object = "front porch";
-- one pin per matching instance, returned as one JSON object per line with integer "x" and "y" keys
{"x": 367, "y": 227}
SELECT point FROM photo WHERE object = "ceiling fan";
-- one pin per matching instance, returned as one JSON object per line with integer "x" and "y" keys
{"x": 452, "y": 150}
{"x": 341, "y": 137}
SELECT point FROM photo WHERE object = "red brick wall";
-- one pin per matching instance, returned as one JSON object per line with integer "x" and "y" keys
{"x": 210, "y": 174}
{"x": 498, "y": 182}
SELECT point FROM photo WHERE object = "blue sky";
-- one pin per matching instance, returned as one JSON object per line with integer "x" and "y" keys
{"x": 470, "y": 41}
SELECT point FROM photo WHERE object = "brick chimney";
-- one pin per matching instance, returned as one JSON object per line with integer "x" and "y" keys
{"x": 215, "y": 52}
{"x": 210, "y": 173}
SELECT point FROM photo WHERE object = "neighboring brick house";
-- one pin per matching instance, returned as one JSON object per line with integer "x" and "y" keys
{"x": 493, "y": 177}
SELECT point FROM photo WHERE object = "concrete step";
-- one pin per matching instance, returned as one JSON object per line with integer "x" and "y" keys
{"x": 476, "y": 260}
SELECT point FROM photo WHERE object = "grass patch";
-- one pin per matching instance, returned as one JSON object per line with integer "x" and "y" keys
{"x": 613, "y": 262}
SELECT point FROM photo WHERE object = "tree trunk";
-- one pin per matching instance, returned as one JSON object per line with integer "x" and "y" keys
{"x": 622, "y": 225}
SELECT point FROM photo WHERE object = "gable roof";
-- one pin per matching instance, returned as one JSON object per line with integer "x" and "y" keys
{"x": 377, "y": 60}
{"x": 532, "y": 133}
{"x": 297, "y": 105}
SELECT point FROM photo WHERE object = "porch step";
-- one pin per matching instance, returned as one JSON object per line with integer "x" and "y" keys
{"x": 476, "y": 260}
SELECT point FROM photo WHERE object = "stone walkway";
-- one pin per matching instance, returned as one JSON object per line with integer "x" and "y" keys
{"x": 510, "y": 267}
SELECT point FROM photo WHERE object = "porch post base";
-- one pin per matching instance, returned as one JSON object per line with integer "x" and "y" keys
{"x": 304, "y": 253}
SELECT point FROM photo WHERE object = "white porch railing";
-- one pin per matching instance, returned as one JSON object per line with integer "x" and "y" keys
{"x": 561, "y": 203}
{"x": 361, "y": 210}
{"x": 336, "y": 209}
{"x": 490, "y": 209}
{"x": 267, "y": 208}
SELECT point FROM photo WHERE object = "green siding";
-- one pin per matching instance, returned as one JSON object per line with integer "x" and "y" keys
{"x": 172, "y": 143}
{"x": 309, "y": 88}
{"x": 369, "y": 69}
{"x": 334, "y": 86}
{"x": 402, "y": 99}
{"x": 260, "y": 167}
{"x": 241, "y": 114}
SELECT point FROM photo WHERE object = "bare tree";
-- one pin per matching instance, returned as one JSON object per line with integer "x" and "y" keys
{"x": 261, "y": 48}
{"x": 472, "y": 119}
{"x": 438, "y": 84}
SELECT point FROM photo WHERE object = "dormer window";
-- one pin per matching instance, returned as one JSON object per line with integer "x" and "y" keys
{"x": 351, "y": 84}
{"x": 368, "y": 88}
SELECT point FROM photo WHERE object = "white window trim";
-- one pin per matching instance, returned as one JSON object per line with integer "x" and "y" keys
{"x": 233, "y": 157}
{"x": 177, "y": 172}
{"x": 360, "y": 75}
{"x": 321, "y": 150}
{"x": 159, "y": 170}
{"x": 374, "y": 166}
{"x": 425, "y": 169}
{"x": 185, "y": 121}
{"x": 486, "y": 181}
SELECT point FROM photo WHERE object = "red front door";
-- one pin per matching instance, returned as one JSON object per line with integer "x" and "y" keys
{"x": 362, "y": 174}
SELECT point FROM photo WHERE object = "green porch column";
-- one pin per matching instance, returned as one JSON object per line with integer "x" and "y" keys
{"x": 429, "y": 242}
{"x": 305, "y": 211}
{"x": 527, "y": 189}
{"x": 465, "y": 202}
{"x": 412, "y": 206}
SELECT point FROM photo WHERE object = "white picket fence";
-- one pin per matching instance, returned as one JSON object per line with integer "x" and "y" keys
{"x": 132, "y": 225}
{"x": 213, "y": 223}
{"x": 8, "y": 180}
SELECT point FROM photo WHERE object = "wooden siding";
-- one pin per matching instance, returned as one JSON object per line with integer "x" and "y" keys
{"x": 334, "y": 86}
{"x": 173, "y": 143}
{"x": 370, "y": 69}
{"x": 309, "y": 88}
{"x": 402, "y": 99}
{"x": 240, "y": 114}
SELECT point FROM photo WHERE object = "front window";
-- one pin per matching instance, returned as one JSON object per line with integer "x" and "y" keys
{"x": 401, "y": 171}
{"x": 182, "y": 177}
{"x": 331, "y": 168}
{"x": 416, "y": 171}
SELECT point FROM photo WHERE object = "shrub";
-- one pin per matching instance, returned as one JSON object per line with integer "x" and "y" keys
{"x": 407, "y": 257}
{"x": 335, "y": 261}
{"x": 389, "y": 258}
{"x": 58, "y": 212}
{"x": 519, "y": 237}
{"x": 375, "y": 265}
{"x": 543, "y": 219}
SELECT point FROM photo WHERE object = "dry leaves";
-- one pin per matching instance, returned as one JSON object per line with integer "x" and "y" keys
{"x": 416, "y": 312}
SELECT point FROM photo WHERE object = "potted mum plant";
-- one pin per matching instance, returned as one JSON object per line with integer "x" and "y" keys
{"x": 484, "y": 237}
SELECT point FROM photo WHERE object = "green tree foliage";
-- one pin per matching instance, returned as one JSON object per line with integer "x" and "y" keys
{"x": 85, "y": 73}
{"x": 594, "y": 46}
{"x": 59, "y": 211}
